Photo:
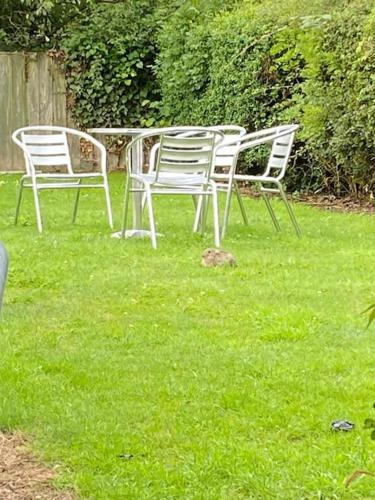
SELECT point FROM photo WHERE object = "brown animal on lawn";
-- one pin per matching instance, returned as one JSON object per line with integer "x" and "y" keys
{"x": 214, "y": 257}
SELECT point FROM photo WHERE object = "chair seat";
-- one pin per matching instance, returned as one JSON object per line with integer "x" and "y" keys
{"x": 63, "y": 176}
{"x": 255, "y": 178}
{"x": 171, "y": 179}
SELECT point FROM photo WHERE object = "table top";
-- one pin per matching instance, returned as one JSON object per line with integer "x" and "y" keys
{"x": 119, "y": 131}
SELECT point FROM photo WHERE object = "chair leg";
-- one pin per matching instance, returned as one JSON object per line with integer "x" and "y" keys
{"x": 19, "y": 199}
{"x": 37, "y": 208}
{"x": 271, "y": 211}
{"x": 151, "y": 217}
{"x": 203, "y": 215}
{"x": 215, "y": 210}
{"x": 126, "y": 206}
{"x": 195, "y": 201}
{"x": 227, "y": 208}
{"x": 198, "y": 213}
{"x": 75, "y": 209}
{"x": 290, "y": 212}
{"x": 240, "y": 202}
{"x": 108, "y": 203}
{"x": 143, "y": 202}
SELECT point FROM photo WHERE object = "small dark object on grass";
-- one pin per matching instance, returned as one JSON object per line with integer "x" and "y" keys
{"x": 370, "y": 424}
{"x": 126, "y": 456}
{"x": 214, "y": 257}
{"x": 342, "y": 425}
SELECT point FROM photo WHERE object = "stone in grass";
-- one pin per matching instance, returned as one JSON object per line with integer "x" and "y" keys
{"x": 212, "y": 257}
{"x": 342, "y": 425}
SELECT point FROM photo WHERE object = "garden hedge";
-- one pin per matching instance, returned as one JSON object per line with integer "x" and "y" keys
{"x": 263, "y": 63}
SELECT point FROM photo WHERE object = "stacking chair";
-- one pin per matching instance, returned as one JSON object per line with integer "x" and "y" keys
{"x": 270, "y": 181}
{"x": 222, "y": 163}
{"x": 182, "y": 165}
{"x": 224, "y": 157}
{"x": 46, "y": 148}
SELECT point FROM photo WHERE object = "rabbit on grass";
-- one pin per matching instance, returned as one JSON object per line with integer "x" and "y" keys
{"x": 212, "y": 257}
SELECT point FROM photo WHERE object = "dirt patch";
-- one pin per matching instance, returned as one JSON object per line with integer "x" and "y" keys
{"x": 22, "y": 477}
{"x": 345, "y": 204}
{"x": 327, "y": 202}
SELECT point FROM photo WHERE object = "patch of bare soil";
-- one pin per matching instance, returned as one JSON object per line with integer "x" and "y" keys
{"x": 328, "y": 202}
{"x": 345, "y": 204}
{"x": 22, "y": 477}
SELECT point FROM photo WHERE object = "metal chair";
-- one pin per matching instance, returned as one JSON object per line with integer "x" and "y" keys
{"x": 270, "y": 181}
{"x": 223, "y": 161}
{"x": 182, "y": 165}
{"x": 47, "y": 147}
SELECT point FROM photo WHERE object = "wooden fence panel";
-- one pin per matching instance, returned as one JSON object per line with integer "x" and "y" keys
{"x": 32, "y": 92}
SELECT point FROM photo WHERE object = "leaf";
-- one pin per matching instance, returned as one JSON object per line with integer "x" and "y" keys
{"x": 369, "y": 423}
{"x": 371, "y": 317}
{"x": 357, "y": 475}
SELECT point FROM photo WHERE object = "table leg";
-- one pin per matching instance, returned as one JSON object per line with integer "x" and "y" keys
{"x": 137, "y": 161}
{"x": 137, "y": 231}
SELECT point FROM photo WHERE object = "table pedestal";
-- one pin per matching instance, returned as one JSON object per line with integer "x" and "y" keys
{"x": 137, "y": 163}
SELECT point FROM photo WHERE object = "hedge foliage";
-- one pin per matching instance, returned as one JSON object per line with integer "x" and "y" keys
{"x": 252, "y": 62}
{"x": 109, "y": 64}
{"x": 39, "y": 24}
{"x": 263, "y": 63}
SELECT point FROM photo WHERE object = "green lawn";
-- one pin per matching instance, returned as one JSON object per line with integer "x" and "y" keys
{"x": 220, "y": 382}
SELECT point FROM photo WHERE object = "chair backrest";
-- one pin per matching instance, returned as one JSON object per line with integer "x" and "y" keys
{"x": 47, "y": 146}
{"x": 191, "y": 153}
{"x": 281, "y": 140}
{"x": 225, "y": 154}
{"x": 281, "y": 148}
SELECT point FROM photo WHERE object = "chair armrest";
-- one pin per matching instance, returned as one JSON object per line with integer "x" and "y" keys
{"x": 153, "y": 153}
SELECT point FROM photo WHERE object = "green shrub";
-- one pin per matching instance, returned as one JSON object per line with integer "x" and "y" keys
{"x": 262, "y": 63}
{"x": 109, "y": 63}
{"x": 38, "y": 24}
{"x": 337, "y": 109}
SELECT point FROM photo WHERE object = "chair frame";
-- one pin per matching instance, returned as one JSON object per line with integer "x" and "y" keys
{"x": 53, "y": 155}
{"x": 223, "y": 158}
{"x": 269, "y": 183}
{"x": 175, "y": 176}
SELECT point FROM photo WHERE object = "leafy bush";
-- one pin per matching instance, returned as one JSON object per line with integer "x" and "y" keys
{"x": 110, "y": 64}
{"x": 38, "y": 24}
{"x": 260, "y": 63}
{"x": 334, "y": 105}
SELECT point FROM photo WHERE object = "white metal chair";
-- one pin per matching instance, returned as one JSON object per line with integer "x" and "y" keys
{"x": 270, "y": 181}
{"x": 182, "y": 165}
{"x": 223, "y": 160}
{"x": 47, "y": 147}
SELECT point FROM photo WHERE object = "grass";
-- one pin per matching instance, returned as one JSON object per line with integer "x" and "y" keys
{"x": 211, "y": 383}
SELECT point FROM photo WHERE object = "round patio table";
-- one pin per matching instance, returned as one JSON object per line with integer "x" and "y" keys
{"x": 137, "y": 163}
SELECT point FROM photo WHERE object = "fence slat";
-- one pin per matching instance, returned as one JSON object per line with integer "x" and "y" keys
{"x": 32, "y": 92}
{"x": 19, "y": 109}
{"x": 6, "y": 111}
{"x": 45, "y": 91}
{"x": 58, "y": 94}
{"x": 32, "y": 89}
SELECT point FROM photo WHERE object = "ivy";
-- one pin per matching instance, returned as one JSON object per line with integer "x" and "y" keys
{"x": 38, "y": 24}
{"x": 109, "y": 67}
